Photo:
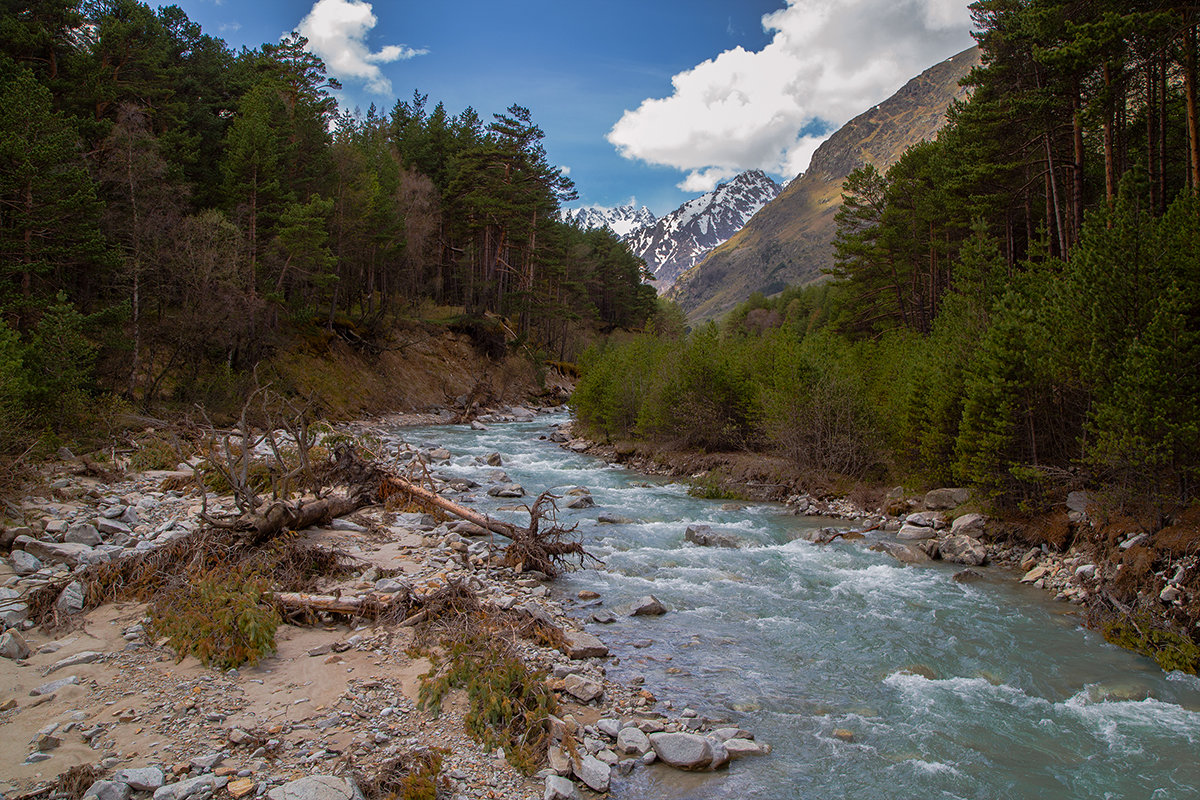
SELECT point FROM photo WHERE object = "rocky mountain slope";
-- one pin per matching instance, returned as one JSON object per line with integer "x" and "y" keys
{"x": 791, "y": 239}
{"x": 621, "y": 220}
{"x": 681, "y": 239}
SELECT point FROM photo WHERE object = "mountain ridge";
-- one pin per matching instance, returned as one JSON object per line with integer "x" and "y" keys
{"x": 790, "y": 240}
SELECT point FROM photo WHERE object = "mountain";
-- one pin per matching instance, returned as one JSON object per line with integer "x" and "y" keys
{"x": 791, "y": 239}
{"x": 621, "y": 220}
{"x": 678, "y": 241}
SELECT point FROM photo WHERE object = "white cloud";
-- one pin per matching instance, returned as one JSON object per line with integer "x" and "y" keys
{"x": 337, "y": 31}
{"x": 828, "y": 61}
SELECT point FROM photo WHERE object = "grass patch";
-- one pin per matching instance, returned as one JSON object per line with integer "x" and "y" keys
{"x": 715, "y": 486}
{"x": 1171, "y": 650}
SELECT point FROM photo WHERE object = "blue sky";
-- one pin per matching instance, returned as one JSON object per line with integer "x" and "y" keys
{"x": 655, "y": 100}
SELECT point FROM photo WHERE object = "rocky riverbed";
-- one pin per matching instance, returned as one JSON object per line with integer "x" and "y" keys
{"x": 100, "y": 690}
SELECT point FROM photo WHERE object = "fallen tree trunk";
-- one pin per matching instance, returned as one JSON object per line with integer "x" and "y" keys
{"x": 391, "y": 484}
{"x": 351, "y": 604}
{"x": 280, "y": 516}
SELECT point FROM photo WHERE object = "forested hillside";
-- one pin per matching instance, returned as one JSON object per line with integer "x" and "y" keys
{"x": 1015, "y": 305}
{"x": 173, "y": 213}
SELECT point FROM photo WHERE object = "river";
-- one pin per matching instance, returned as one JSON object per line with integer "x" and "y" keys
{"x": 950, "y": 690}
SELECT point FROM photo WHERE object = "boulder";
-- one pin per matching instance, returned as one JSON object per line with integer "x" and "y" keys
{"x": 493, "y": 459}
{"x": 558, "y": 760}
{"x": 54, "y": 686}
{"x": 83, "y": 534}
{"x": 107, "y": 790}
{"x": 13, "y": 645}
{"x": 24, "y": 563}
{"x": 963, "y": 549}
{"x": 682, "y": 750}
{"x": 613, "y": 519}
{"x": 942, "y": 499}
{"x": 915, "y": 532}
{"x": 314, "y": 787}
{"x": 1034, "y": 574}
{"x": 925, "y": 519}
{"x": 740, "y": 748}
{"x": 507, "y": 490}
{"x": 967, "y": 576}
{"x": 647, "y": 606}
{"x": 1078, "y": 501}
{"x": 901, "y": 552}
{"x": 203, "y": 785}
{"x": 631, "y": 741}
{"x": 581, "y": 501}
{"x": 70, "y": 600}
{"x": 581, "y": 688}
{"x": 13, "y": 610}
{"x": 146, "y": 779}
{"x": 593, "y": 772}
{"x": 705, "y": 536}
{"x": 86, "y": 657}
{"x": 969, "y": 525}
{"x": 111, "y": 526}
{"x": 580, "y": 644}
{"x": 609, "y": 726}
{"x": 70, "y": 553}
{"x": 559, "y": 788}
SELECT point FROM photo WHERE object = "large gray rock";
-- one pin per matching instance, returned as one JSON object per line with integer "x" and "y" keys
{"x": 941, "y": 499}
{"x": 83, "y": 533}
{"x": 13, "y": 645}
{"x": 70, "y": 553}
{"x": 200, "y": 786}
{"x": 581, "y": 688}
{"x": 593, "y": 772}
{"x": 558, "y": 788}
{"x": 145, "y": 779}
{"x": 581, "y": 501}
{"x": 969, "y": 525}
{"x": 314, "y": 787}
{"x": 740, "y": 748}
{"x": 579, "y": 644}
{"x": 646, "y": 606}
{"x": 705, "y": 536}
{"x": 24, "y": 563}
{"x": 682, "y": 750}
{"x": 631, "y": 740}
{"x": 107, "y": 790}
{"x": 963, "y": 550}
{"x": 13, "y": 609}
{"x": 70, "y": 600}
{"x": 507, "y": 490}
{"x": 901, "y": 552}
{"x": 915, "y": 532}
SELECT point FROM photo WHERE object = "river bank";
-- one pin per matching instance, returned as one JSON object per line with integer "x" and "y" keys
{"x": 97, "y": 692}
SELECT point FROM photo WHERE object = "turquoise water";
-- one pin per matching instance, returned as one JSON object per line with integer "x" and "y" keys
{"x": 981, "y": 690}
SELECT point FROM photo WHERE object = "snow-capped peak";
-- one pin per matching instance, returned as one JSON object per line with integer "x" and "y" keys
{"x": 621, "y": 220}
{"x": 682, "y": 239}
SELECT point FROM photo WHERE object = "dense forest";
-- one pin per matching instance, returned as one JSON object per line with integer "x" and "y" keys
{"x": 174, "y": 213}
{"x": 1014, "y": 306}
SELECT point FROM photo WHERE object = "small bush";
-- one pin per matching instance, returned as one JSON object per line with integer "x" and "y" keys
{"x": 508, "y": 702}
{"x": 223, "y": 619}
{"x": 714, "y": 486}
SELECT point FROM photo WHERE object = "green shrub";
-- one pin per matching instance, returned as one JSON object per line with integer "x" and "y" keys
{"x": 223, "y": 619}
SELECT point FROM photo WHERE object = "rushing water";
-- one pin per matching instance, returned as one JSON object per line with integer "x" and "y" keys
{"x": 982, "y": 690}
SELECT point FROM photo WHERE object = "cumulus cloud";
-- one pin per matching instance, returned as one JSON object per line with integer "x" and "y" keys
{"x": 337, "y": 32}
{"x": 828, "y": 61}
